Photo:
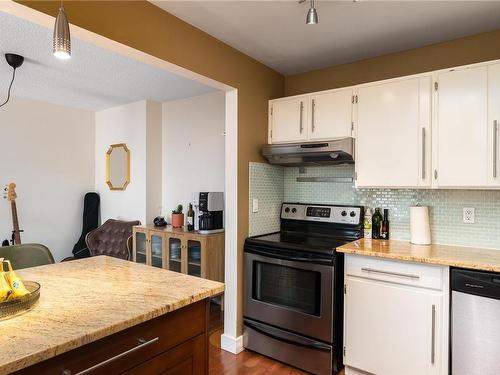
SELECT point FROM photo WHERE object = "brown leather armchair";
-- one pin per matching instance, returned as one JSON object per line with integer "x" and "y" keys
{"x": 113, "y": 238}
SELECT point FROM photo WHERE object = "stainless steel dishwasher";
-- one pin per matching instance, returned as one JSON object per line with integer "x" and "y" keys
{"x": 475, "y": 322}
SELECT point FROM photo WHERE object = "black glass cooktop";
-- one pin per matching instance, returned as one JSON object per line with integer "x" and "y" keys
{"x": 302, "y": 241}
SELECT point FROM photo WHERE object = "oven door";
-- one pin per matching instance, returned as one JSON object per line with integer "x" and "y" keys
{"x": 296, "y": 295}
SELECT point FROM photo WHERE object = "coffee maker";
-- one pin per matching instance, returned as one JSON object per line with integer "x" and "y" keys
{"x": 211, "y": 212}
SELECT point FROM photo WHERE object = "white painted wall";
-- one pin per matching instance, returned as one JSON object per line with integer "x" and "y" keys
{"x": 193, "y": 144}
{"x": 48, "y": 151}
{"x": 130, "y": 124}
{"x": 123, "y": 124}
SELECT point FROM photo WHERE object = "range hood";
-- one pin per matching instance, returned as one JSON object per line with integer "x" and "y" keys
{"x": 339, "y": 151}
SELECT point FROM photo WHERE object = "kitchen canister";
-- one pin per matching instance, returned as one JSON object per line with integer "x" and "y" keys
{"x": 420, "y": 228}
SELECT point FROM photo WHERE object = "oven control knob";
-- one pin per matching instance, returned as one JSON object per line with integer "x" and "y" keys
{"x": 343, "y": 213}
{"x": 352, "y": 214}
{"x": 294, "y": 210}
{"x": 287, "y": 210}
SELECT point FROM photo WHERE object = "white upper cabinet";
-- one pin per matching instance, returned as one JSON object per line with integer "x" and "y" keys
{"x": 393, "y": 134}
{"x": 317, "y": 117}
{"x": 331, "y": 114}
{"x": 289, "y": 119}
{"x": 439, "y": 129}
{"x": 462, "y": 147}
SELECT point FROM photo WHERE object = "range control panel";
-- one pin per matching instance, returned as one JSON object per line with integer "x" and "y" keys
{"x": 328, "y": 214}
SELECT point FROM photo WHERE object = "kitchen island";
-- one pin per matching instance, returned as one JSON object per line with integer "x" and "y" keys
{"x": 106, "y": 315}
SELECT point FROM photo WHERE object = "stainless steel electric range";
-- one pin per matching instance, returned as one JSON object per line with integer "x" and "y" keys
{"x": 293, "y": 308}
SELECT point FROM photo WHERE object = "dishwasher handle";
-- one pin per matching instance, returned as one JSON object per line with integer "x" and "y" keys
{"x": 479, "y": 283}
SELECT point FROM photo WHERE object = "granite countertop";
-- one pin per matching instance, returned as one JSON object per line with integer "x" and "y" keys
{"x": 85, "y": 300}
{"x": 456, "y": 256}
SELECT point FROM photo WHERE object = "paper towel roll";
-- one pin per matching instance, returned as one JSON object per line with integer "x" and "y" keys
{"x": 420, "y": 228}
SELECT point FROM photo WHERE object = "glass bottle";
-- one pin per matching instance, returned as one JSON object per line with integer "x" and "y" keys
{"x": 376, "y": 223}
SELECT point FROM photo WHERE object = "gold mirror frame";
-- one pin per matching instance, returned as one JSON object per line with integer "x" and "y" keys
{"x": 108, "y": 166}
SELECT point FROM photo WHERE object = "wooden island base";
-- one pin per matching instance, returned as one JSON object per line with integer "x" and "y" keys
{"x": 174, "y": 343}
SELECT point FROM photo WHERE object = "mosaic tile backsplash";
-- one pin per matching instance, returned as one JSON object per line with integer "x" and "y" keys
{"x": 267, "y": 185}
{"x": 445, "y": 205}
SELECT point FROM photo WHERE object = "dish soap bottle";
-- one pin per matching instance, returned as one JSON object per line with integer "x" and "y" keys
{"x": 376, "y": 224}
{"x": 367, "y": 223}
{"x": 384, "y": 230}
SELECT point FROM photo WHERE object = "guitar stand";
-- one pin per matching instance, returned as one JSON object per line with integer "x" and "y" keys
{"x": 12, "y": 240}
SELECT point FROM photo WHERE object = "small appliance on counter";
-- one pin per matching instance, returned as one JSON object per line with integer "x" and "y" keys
{"x": 211, "y": 212}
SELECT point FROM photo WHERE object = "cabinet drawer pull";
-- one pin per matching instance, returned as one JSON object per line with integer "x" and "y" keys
{"x": 301, "y": 127}
{"x": 142, "y": 343}
{"x": 407, "y": 275}
{"x": 423, "y": 154}
{"x": 433, "y": 335}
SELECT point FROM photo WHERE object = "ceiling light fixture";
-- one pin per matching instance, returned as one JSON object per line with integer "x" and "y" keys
{"x": 312, "y": 14}
{"x": 62, "y": 38}
{"x": 15, "y": 61}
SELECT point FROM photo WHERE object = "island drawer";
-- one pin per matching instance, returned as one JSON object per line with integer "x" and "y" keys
{"x": 399, "y": 272}
{"x": 132, "y": 347}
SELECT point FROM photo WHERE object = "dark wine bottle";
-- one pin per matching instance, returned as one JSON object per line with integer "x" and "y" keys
{"x": 376, "y": 223}
{"x": 190, "y": 218}
{"x": 384, "y": 231}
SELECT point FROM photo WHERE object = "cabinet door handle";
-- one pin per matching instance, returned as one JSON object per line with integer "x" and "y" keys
{"x": 407, "y": 275}
{"x": 301, "y": 127}
{"x": 142, "y": 343}
{"x": 433, "y": 335}
{"x": 423, "y": 154}
{"x": 495, "y": 144}
{"x": 313, "y": 103}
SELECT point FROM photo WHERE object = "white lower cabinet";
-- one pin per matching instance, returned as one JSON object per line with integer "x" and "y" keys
{"x": 395, "y": 320}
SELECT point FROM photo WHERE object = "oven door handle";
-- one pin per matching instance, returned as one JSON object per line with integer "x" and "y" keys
{"x": 321, "y": 260}
{"x": 303, "y": 342}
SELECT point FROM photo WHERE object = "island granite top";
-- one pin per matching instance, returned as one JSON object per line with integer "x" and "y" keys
{"x": 84, "y": 300}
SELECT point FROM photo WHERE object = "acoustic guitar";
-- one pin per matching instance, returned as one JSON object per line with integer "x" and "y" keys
{"x": 10, "y": 194}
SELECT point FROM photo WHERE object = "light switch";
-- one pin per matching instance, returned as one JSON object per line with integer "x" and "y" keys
{"x": 255, "y": 205}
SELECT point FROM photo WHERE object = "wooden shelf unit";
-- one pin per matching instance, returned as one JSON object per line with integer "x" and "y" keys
{"x": 179, "y": 250}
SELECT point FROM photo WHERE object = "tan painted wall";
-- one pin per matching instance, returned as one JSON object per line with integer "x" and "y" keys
{"x": 472, "y": 49}
{"x": 143, "y": 26}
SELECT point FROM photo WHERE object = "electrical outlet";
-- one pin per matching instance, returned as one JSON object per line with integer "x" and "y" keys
{"x": 255, "y": 205}
{"x": 468, "y": 215}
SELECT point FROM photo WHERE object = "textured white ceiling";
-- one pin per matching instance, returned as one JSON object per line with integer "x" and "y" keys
{"x": 275, "y": 33}
{"x": 94, "y": 78}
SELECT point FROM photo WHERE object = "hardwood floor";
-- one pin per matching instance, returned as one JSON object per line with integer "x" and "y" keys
{"x": 246, "y": 362}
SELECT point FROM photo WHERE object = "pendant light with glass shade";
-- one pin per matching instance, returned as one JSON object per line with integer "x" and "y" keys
{"x": 62, "y": 38}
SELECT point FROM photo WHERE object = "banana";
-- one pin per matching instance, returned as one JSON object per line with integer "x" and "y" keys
{"x": 5, "y": 289}
{"x": 18, "y": 288}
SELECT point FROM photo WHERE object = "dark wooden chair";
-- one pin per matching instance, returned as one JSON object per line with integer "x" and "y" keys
{"x": 27, "y": 255}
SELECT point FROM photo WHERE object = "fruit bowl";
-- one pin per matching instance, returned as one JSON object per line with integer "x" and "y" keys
{"x": 9, "y": 309}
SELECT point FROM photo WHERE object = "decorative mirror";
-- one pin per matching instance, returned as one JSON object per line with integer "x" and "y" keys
{"x": 118, "y": 166}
